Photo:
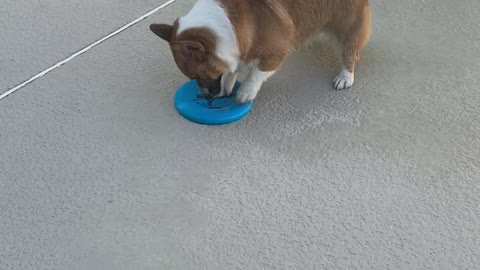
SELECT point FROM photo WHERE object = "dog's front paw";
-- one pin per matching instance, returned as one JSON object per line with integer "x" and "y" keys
{"x": 228, "y": 83}
{"x": 344, "y": 80}
{"x": 246, "y": 94}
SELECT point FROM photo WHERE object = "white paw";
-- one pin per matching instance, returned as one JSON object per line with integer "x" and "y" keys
{"x": 250, "y": 87}
{"x": 246, "y": 94}
{"x": 344, "y": 80}
{"x": 228, "y": 83}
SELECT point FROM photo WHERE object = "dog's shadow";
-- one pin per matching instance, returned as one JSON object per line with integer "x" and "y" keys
{"x": 302, "y": 95}
{"x": 306, "y": 75}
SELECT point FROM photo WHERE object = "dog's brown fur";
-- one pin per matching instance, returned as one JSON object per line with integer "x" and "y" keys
{"x": 268, "y": 30}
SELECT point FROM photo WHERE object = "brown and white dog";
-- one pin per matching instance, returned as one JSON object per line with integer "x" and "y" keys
{"x": 218, "y": 38}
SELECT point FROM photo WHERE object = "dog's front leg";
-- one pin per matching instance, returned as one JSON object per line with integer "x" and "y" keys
{"x": 228, "y": 83}
{"x": 252, "y": 84}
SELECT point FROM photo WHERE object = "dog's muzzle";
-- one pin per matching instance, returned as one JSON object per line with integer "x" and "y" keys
{"x": 210, "y": 88}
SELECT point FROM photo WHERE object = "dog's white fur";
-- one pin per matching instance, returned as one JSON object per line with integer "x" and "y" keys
{"x": 252, "y": 84}
{"x": 344, "y": 80}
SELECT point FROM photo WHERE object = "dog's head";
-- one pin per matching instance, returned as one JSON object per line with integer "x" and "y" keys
{"x": 194, "y": 54}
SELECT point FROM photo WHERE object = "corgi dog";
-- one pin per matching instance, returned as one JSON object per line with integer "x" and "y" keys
{"x": 218, "y": 38}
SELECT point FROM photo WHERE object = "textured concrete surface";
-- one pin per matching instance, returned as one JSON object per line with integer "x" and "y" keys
{"x": 37, "y": 34}
{"x": 99, "y": 172}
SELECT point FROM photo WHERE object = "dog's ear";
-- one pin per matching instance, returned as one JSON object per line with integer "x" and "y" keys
{"x": 164, "y": 31}
{"x": 192, "y": 50}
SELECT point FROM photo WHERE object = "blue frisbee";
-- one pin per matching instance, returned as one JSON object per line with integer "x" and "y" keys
{"x": 194, "y": 106}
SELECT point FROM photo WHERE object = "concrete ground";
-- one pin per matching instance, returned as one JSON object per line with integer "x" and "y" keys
{"x": 98, "y": 171}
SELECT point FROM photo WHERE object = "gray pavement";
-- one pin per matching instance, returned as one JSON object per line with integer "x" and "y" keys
{"x": 99, "y": 172}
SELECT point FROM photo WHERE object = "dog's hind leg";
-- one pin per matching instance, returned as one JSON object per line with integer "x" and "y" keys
{"x": 352, "y": 40}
